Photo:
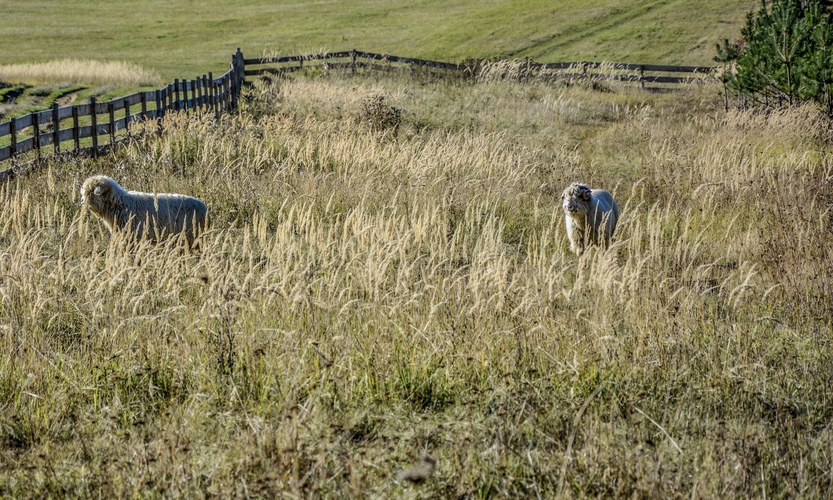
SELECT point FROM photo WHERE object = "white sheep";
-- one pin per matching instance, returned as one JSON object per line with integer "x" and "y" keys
{"x": 146, "y": 215}
{"x": 585, "y": 211}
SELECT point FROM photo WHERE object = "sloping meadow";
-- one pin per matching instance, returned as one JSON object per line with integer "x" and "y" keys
{"x": 387, "y": 276}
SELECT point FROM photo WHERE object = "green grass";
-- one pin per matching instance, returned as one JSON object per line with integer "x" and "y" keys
{"x": 189, "y": 38}
{"x": 372, "y": 291}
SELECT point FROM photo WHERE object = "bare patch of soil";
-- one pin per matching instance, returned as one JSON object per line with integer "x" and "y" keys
{"x": 66, "y": 100}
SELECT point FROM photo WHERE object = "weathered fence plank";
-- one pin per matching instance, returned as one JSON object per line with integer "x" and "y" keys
{"x": 25, "y": 145}
{"x": 24, "y": 122}
{"x": 45, "y": 139}
{"x": 66, "y": 134}
{"x": 407, "y": 60}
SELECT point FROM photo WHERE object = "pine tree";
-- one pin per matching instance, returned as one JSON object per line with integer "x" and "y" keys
{"x": 784, "y": 56}
{"x": 818, "y": 64}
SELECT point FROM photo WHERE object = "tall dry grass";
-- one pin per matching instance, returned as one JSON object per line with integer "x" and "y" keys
{"x": 369, "y": 295}
{"x": 80, "y": 72}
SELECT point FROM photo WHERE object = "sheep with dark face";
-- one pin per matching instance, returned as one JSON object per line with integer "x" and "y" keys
{"x": 145, "y": 215}
{"x": 591, "y": 215}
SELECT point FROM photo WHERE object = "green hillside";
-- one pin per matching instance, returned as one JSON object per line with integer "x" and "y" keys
{"x": 190, "y": 37}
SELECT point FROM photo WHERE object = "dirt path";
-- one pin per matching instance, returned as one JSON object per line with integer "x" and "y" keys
{"x": 67, "y": 99}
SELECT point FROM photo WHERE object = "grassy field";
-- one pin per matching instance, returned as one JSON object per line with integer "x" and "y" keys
{"x": 376, "y": 290}
{"x": 156, "y": 42}
{"x": 38, "y": 85}
{"x": 188, "y": 38}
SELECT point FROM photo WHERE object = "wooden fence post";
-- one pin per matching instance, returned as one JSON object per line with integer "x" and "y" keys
{"x": 36, "y": 133}
{"x": 202, "y": 83}
{"x": 206, "y": 88}
{"x": 238, "y": 77}
{"x": 160, "y": 110}
{"x": 201, "y": 88}
{"x": 185, "y": 103}
{"x": 94, "y": 120}
{"x": 233, "y": 82}
{"x": 354, "y": 55}
{"x": 212, "y": 93}
{"x": 56, "y": 129}
{"x": 193, "y": 102}
{"x": 229, "y": 91}
{"x": 230, "y": 82}
{"x": 642, "y": 76}
{"x": 13, "y": 133}
{"x": 219, "y": 89}
{"x": 76, "y": 135}
{"x": 225, "y": 94}
{"x": 219, "y": 98}
{"x": 177, "y": 105}
{"x": 241, "y": 70}
{"x": 127, "y": 116}
{"x": 143, "y": 99}
{"x": 112, "y": 127}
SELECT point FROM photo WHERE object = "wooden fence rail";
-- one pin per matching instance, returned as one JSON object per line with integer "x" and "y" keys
{"x": 649, "y": 76}
{"x": 63, "y": 128}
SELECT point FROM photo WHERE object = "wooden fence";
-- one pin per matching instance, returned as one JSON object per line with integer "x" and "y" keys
{"x": 64, "y": 128}
{"x": 100, "y": 122}
{"x": 652, "y": 77}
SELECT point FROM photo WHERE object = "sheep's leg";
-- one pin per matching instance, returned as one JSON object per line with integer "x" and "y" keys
{"x": 579, "y": 243}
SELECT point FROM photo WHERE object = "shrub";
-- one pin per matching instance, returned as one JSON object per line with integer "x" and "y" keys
{"x": 381, "y": 115}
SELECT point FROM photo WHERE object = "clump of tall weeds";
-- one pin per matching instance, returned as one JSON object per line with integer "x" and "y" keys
{"x": 381, "y": 115}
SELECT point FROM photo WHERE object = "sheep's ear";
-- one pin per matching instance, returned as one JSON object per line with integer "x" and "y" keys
{"x": 585, "y": 194}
